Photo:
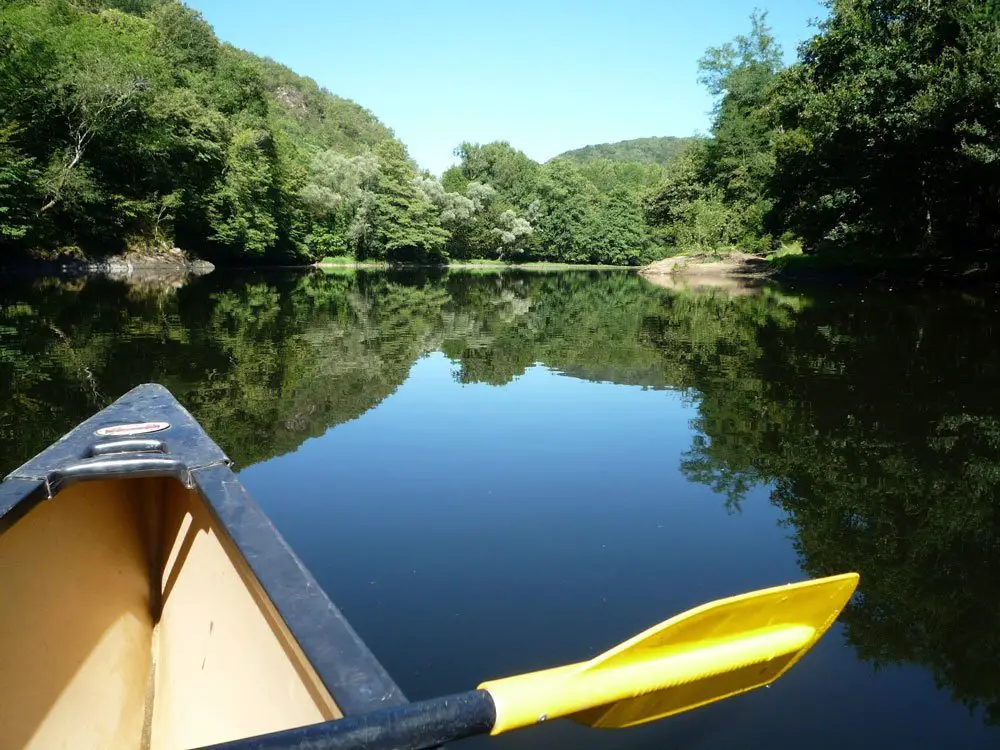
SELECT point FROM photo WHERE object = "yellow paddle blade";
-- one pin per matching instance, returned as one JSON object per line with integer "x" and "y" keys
{"x": 706, "y": 654}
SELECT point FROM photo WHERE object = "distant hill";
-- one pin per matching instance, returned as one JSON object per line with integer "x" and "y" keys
{"x": 312, "y": 116}
{"x": 658, "y": 150}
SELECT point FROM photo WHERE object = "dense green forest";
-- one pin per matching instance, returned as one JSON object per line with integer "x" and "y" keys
{"x": 656, "y": 150}
{"x": 882, "y": 140}
{"x": 126, "y": 124}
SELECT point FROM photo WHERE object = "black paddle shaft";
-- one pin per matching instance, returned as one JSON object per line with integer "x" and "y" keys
{"x": 413, "y": 726}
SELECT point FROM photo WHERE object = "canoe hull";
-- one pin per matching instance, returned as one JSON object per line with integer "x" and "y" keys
{"x": 154, "y": 588}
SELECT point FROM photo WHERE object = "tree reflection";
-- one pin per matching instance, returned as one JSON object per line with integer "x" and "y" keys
{"x": 267, "y": 361}
{"x": 878, "y": 425}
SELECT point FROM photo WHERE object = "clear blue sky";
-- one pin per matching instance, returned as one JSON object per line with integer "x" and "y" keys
{"x": 545, "y": 75}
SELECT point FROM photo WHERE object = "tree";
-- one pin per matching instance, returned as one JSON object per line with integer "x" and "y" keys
{"x": 241, "y": 211}
{"x": 512, "y": 174}
{"x": 658, "y": 151}
{"x": 608, "y": 176}
{"x": 739, "y": 157}
{"x": 17, "y": 175}
{"x": 455, "y": 209}
{"x": 566, "y": 213}
{"x": 104, "y": 69}
{"x": 339, "y": 192}
{"x": 126, "y": 124}
{"x": 512, "y": 232}
{"x": 454, "y": 180}
{"x": 889, "y": 134}
{"x": 683, "y": 182}
{"x": 187, "y": 41}
{"x": 715, "y": 192}
{"x": 406, "y": 225}
{"x": 620, "y": 236}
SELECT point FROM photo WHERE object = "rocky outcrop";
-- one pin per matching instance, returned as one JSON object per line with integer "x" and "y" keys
{"x": 170, "y": 268}
{"x": 733, "y": 272}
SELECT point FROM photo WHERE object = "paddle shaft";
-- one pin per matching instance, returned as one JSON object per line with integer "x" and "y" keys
{"x": 414, "y": 726}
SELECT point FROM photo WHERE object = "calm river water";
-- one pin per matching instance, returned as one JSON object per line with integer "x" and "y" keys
{"x": 502, "y": 472}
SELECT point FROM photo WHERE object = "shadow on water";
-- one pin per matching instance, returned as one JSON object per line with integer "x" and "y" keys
{"x": 873, "y": 419}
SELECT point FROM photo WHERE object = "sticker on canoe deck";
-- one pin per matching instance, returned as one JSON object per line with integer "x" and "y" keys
{"x": 138, "y": 428}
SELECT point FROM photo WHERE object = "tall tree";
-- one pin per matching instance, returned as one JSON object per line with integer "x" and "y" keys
{"x": 105, "y": 69}
{"x": 566, "y": 213}
{"x": 714, "y": 193}
{"x": 506, "y": 169}
{"x": 126, "y": 124}
{"x": 619, "y": 236}
{"x": 339, "y": 192}
{"x": 739, "y": 158}
{"x": 890, "y": 134}
{"x": 407, "y": 226}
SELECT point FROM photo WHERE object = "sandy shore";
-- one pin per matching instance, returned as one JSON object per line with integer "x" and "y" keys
{"x": 734, "y": 272}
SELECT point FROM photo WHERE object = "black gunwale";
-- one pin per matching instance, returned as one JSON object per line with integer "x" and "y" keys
{"x": 350, "y": 671}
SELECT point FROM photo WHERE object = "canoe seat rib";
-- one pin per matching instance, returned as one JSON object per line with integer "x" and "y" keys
{"x": 129, "y": 619}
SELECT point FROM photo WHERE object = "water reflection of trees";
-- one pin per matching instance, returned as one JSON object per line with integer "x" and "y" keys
{"x": 877, "y": 422}
{"x": 263, "y": 362}
{"x": 266, "y": 361}
{"x": 874, "y": 419}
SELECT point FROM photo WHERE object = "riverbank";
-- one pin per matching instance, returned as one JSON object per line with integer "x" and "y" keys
{"x": 474, "y": 265}
{"x": 733, "y": 272}
{"x": 171, "y": 267}
{"x": 737, "y": 270}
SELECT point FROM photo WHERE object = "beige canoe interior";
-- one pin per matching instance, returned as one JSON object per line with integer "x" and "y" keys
{"x": 128, "y": 619}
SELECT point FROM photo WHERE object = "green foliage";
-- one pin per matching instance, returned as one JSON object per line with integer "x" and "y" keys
{"x": 565, "y": 201}
{"x": 556, "y": 212}
{"x": 714, "y": 194}
{"x": 660, "y": 151}
{"x": 374, "y": 207}
{"x": 17, "y": 178}
{"x": 889, "y": 130}
{"x": 315, "y": 119}
{"x": 503, "y": 167}
{"x": 619, "y": 235}
{"x": 187, "y": 41}
{"x": 406, "y": 225}
{"x": 690, "y": 212}
{"x": 739, "y": 158}
{"x": 607, "y": 175}
{"x": 880, "y": 142}
{"x": 877, "y": 430}
{"x": 705, "y": 224}
{"x": 338, "y": 193}
{"x": 140, "y": 129}
{"x": 128, "y": 122}
{"x": 242, "y": 212}
{"x": 454, "y": 180}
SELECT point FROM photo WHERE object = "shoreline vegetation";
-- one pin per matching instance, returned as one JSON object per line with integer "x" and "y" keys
{"x": 478, "y": 265}
{"x": 729, "y": 271}
{"x": 128, "y": 125}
